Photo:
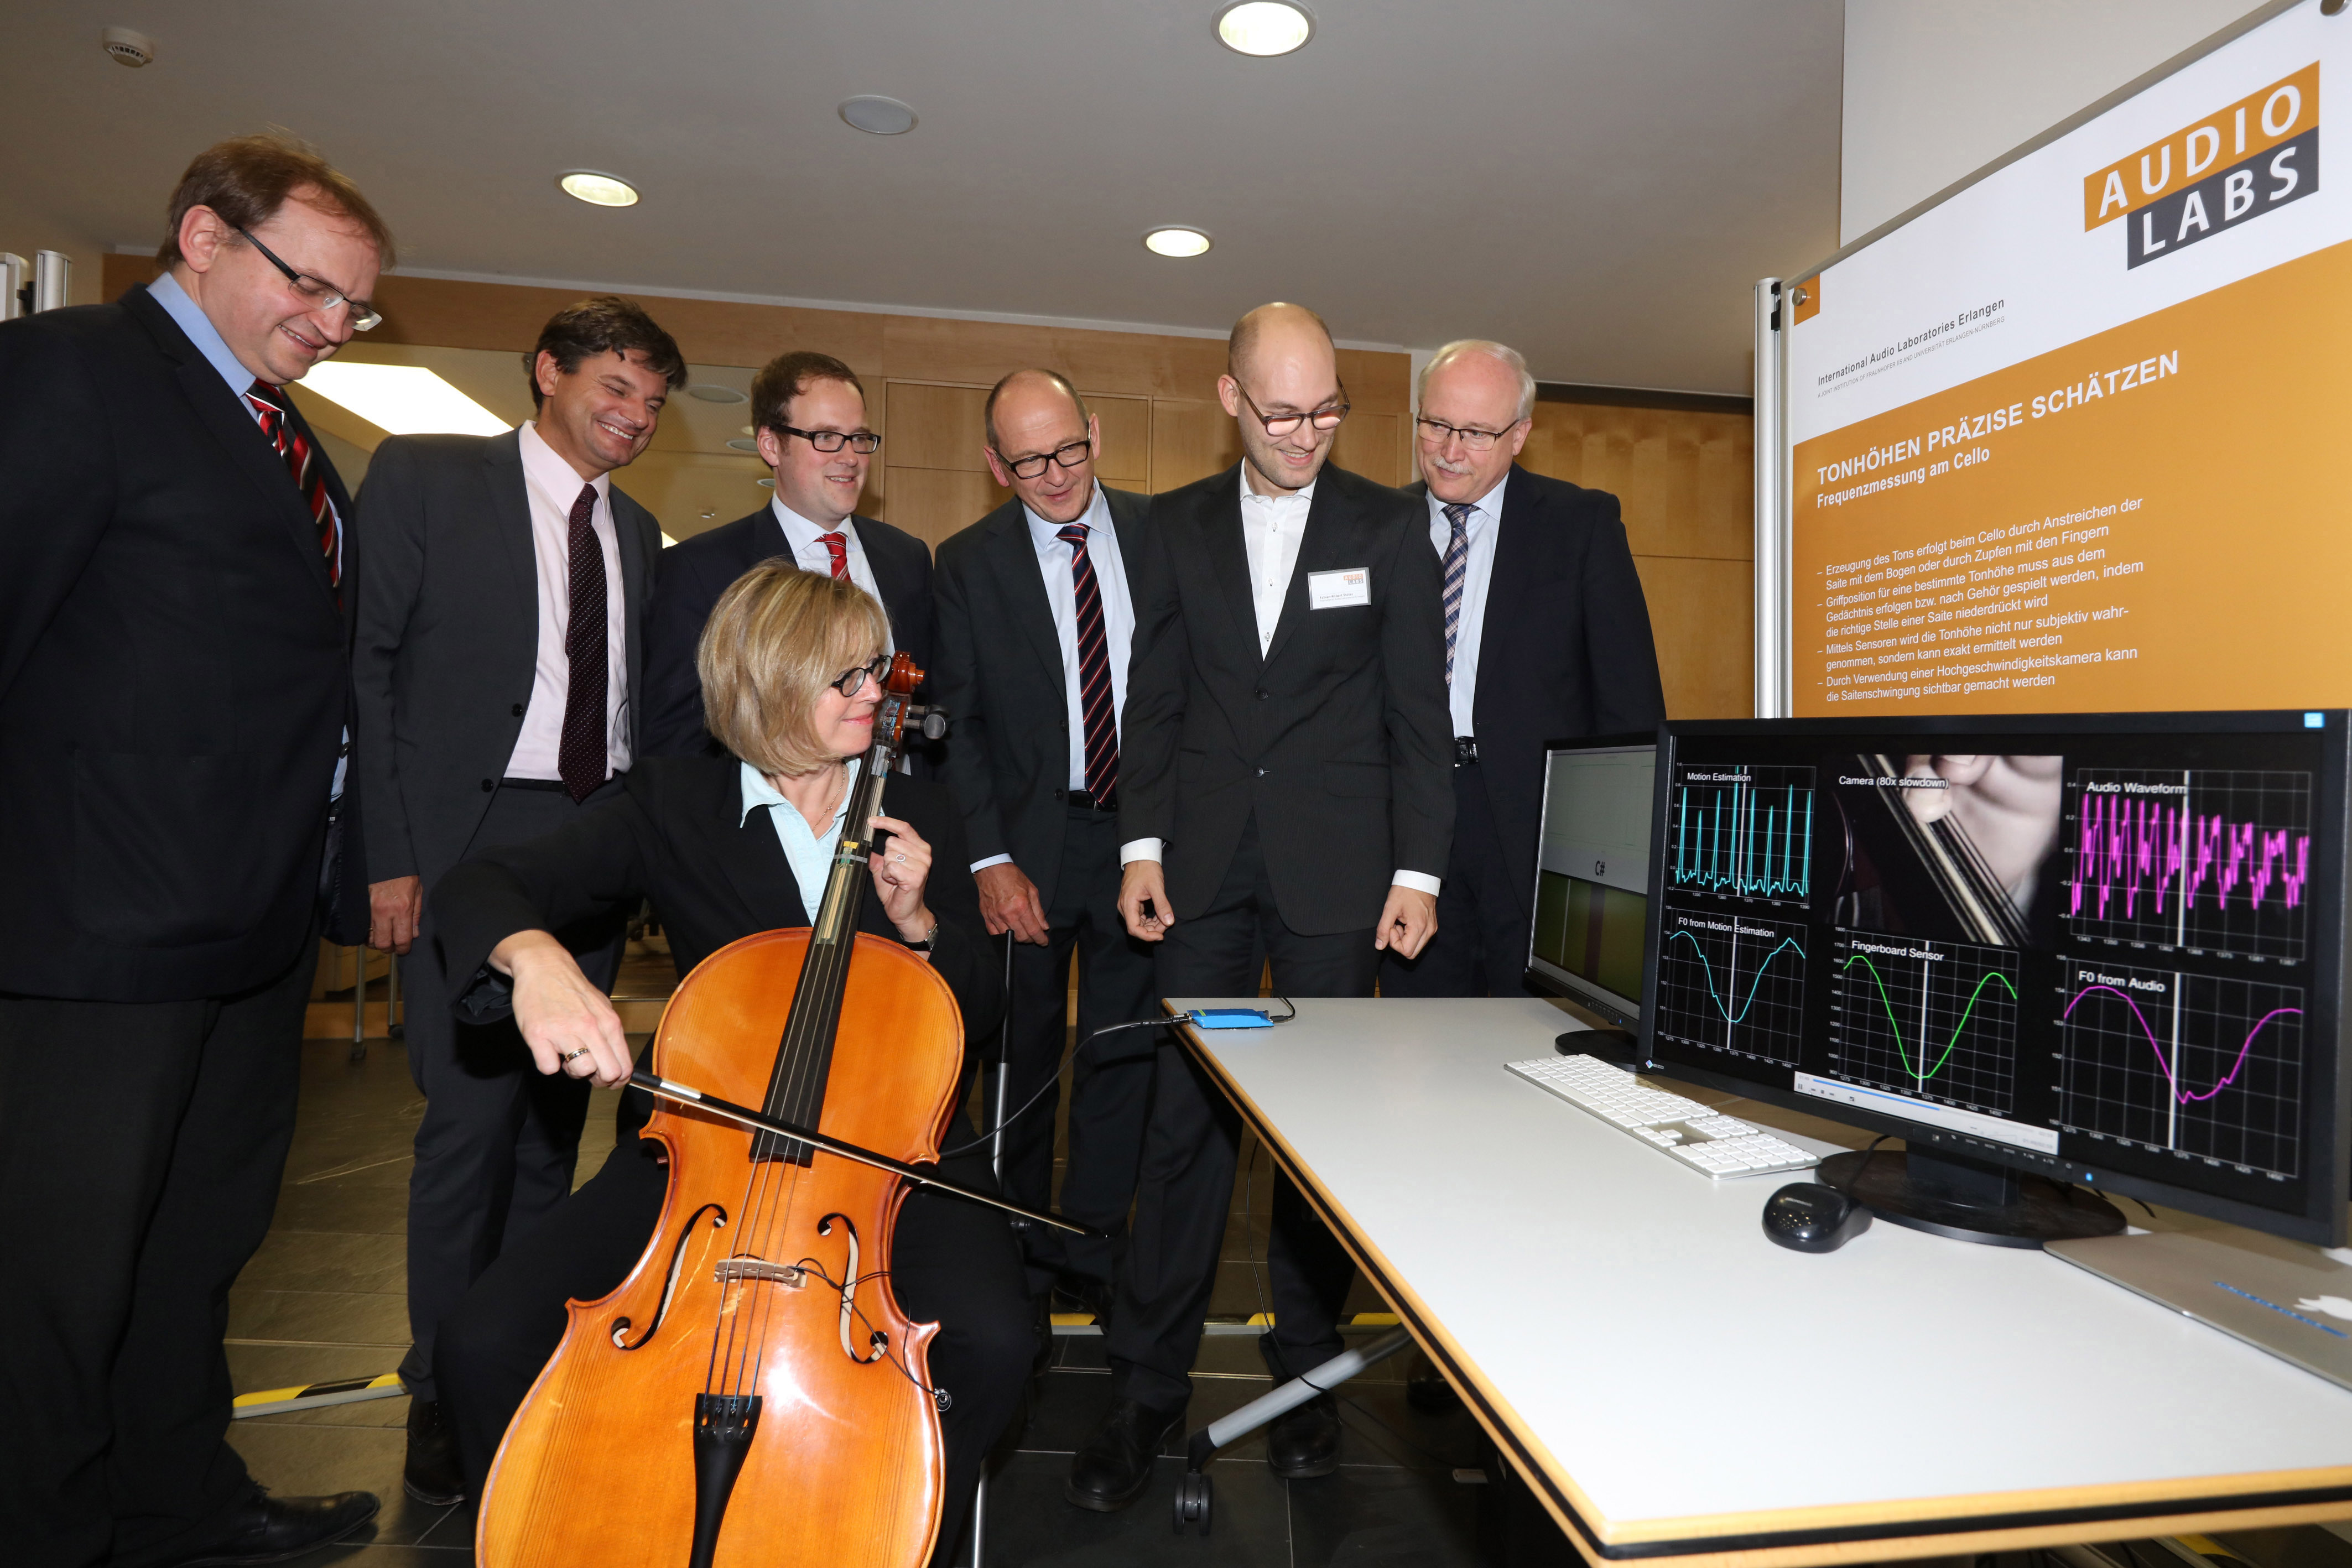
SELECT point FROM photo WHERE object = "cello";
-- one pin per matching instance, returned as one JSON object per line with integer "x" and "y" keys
{"x": 752, "y": 1393}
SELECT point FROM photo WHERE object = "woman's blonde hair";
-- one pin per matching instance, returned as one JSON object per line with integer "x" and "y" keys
{"x": 774, "y": 638}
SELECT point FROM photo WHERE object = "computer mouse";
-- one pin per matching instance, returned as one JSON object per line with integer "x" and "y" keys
{"x": 1812, "y": 1217}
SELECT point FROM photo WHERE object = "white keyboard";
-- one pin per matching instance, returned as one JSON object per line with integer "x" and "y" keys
{"x": 1694, "y": 1133}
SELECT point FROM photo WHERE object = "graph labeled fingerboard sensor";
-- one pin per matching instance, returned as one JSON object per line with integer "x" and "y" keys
{"x": 2213, "y": 860}
{"x": 1742, "y": 831}
{"x": 1733, "y": 982}
{"x": 1936, "y": 1019}
{"x": 2210, "y": 1067}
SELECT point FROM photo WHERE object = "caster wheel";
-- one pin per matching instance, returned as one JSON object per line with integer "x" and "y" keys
{"x": 1195, "y": 1494}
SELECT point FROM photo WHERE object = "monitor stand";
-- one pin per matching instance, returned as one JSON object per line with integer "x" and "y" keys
{"x": 1618, "y": 1046}
{"x": 1969, "y": 1200}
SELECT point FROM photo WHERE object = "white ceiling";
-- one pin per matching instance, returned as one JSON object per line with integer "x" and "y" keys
{"x": 1596, "y": 181}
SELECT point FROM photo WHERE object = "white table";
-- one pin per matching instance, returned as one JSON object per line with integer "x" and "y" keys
{"x": 1672, "y": 1384}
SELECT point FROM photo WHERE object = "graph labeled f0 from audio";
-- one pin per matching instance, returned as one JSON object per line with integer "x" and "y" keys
{"x": 2207, "y": 1066}
{"x": 2213, "y": 860}
{"x": 1742, "y": 831}
{"x": 1936, "y": 1019}
{"x": 1731, "y": 981}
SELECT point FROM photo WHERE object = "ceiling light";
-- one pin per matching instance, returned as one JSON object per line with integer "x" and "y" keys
{"x": 598, "y": 189}
{"x": 881, "y": 116}
{"x": 1176, "y": 242}
{"x": 744, "y": 444}
{"x": 767, "y": 484}
{"x": 711, "y": 392}
{"x": 1264, "y": 27}
{"x": 403, "y": 400}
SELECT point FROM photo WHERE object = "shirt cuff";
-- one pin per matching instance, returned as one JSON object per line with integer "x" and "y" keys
{"x": 979, "y": 866}
{"x": 1140, "y": 850}
{"x": 1420, "y": 881}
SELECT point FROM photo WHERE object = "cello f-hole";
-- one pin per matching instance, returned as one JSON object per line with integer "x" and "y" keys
{"x": 877, "y": 1340}
{"x": 669, "y": 1286}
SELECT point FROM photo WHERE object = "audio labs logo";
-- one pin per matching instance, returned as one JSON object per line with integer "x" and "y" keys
{"x": 2177, "y": 191}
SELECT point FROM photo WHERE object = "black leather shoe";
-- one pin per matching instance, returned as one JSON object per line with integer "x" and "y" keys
{"x": 1113, "y": 1467}
{"x": 1305, "y": 1443}
{"x": 433, "y": 1474}
{"x": 268, "y": 1529}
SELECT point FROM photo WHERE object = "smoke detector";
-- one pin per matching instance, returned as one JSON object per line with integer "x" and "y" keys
{"x": 128, "y": 48}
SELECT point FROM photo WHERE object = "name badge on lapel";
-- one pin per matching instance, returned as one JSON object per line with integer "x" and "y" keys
{"x": 1335, "y": 590}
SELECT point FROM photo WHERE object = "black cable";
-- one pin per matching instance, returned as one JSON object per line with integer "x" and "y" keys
{"x": 1056, "y": 1077}
{"x": 1868, "y": 1149}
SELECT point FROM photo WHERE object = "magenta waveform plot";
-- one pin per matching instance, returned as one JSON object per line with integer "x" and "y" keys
{"x": 2207, "y": 1066}
{"x": 2217, "y": 859}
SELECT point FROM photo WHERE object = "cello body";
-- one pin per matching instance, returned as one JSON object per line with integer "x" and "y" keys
{"x": 739, "y": 1296}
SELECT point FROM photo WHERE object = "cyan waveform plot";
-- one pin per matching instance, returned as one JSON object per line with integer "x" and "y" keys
{"x": 1743, "y": 831}
{"x": 2207, "y": 1066}
{"x": 1936, "y": 1019}
{"x": 2217, "y": 860}
{"x": 1731, "y": 982}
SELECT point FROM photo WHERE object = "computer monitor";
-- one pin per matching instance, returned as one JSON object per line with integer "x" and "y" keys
{"x": 2050, "y": 953}
{"x": 1592, "y": 874}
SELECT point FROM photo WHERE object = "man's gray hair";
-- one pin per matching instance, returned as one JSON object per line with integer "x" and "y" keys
{"x": 1502, "y": 353}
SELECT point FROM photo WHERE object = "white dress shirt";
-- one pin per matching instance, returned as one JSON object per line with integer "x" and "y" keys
{"x": 1486, "y": 523}
{"x": 1054, "y": 558}
{"x": 551, "y": 485}
{"x": 806, "y": 541}
{"x": 809, "y": 854}
{"x": 1271, "y": 527}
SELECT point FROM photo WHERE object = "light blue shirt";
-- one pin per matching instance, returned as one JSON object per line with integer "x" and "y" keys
{"x": 1478, "y": 572}
{"x": 811, "y": 857}
{"x": 191, "y": 319}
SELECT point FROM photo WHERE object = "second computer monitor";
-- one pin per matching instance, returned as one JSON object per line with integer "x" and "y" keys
{"x": 1592, "y": 874}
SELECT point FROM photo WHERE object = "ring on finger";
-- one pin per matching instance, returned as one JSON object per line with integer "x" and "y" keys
{"x": 569, "y": 1057}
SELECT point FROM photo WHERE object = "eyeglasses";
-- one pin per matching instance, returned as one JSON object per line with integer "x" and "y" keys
{"x": 1436, "y": 433}
{"x": 849, "y": 682}
{"x": 864, "y": 441}
{"x": 1327, "y": 417}
{"x": 1064, "y": 456}
{"x": 321, "y": 294}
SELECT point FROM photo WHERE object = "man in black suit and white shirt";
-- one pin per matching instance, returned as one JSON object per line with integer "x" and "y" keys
{"x": 1035, "y": 610}
{"x": 1286, "y": 798}
{"x": 1548, "y": 638}
{"x": 499, "y": 667}
{"x": 175, "y": 581}
{"x": 808, "y": 411}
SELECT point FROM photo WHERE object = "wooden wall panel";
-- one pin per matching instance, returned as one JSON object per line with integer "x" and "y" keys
{"x": 1190, "y": 441}
{"x": 1703, "y": 614}
{"x": 1124, "y": 459}
{"x": 932, "y": 503}
{"x": 1372, "y": 444}
{"x": 936, "y": 428}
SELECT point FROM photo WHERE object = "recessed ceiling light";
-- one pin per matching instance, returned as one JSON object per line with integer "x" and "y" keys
{"x": 1176, "y": 241}
{"x": 711, "y": 392}
{"x": 881, "y": 116}
{"x": 744, "y": 444}
{"x": 1264, "y": 27}
{"x": 598, "y": 189}
{"x": 403, "y": 400}
{"x": 767, "y": 484}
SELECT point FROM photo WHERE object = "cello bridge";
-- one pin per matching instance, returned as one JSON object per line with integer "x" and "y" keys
{"x": 750, "y": 1271}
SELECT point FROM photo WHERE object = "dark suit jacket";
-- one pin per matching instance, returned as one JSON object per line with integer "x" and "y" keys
{"x": 448, "y": 637}
{"x": 696, "y": 571}
{"x": 1564, "y": 651}
{"x": 1338, "y": 739}
{"x": 172, "y": 675}
{"x": 999, "y": 675}
{"x": 677, "y": 835}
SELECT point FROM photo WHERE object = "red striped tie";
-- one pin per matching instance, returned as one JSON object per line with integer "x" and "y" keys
{"x": 837, "y": 546}
{"x": 309, "y": 477}
{"x": 1094, "y": 673}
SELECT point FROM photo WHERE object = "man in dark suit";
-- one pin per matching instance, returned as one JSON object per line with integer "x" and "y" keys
{"x": 175, "y": 581}
{"x": 1034, "y": 610}
{"x": 499, "y": 667}
{"x": 1286, "y": 758}
{"x": 808, "y": 411}
{"x": 1548, "y": 638}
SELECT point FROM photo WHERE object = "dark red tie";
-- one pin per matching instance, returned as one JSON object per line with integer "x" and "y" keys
{"x": 837, "y": 546}
{"x": 583, "y": 755}
{"x": 310, "y": 475}
{"x": 1094, "y": 673}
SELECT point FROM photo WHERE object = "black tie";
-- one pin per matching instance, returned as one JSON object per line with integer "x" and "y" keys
{"x": 582, "y": 756}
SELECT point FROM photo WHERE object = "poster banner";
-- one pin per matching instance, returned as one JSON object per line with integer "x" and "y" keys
{"x": 2080, "y": 438}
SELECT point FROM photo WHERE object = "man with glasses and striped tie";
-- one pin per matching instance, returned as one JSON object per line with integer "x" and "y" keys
{"x": 176, "y": 593}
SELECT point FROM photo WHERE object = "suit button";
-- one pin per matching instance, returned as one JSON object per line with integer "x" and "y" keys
{"x": 517, "y": 708}
{"x": 1263, "y": 695}
{"x": 488, "y": 786}
{"x": 1061, "y": 794}
{"x": 1261, "y": 772}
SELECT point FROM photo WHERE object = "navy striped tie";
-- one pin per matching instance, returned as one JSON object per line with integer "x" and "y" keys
{"x": 310, "y": 477}
{"x": 1457, "y": 567}
{"x": 1094, "y": 673}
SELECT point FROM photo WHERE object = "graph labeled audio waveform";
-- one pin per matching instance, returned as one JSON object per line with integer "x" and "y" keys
{"x": 1733, "y": 982}
{"x": 1936, "y": 1019}
{"x": 2213, "y": 859}
{"x": 2207, "y": 1066}
{"x": 1743, "y": 831}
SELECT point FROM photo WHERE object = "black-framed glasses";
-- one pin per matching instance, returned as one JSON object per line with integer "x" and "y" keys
{"x": 849, "y": 682}
{"x": 320, "y": 294}
{"x": 1437, "y": 432}
{"x": 864, "y": 442}
{"x": 1067, "y": 456}
{"x": 1327, "y": 417}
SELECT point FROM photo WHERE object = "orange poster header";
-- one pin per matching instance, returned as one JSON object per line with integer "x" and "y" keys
{"x": 2253, "y": 125}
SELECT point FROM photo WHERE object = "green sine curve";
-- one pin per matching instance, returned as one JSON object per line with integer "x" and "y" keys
{"x": 1991, "y": 976}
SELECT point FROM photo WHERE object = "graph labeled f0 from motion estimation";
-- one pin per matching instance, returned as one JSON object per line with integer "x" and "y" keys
{"x": 1933, "y": 1020}
{"x": 1731, "y": 981}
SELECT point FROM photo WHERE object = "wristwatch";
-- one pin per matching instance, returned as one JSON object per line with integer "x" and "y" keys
{"x": 928, "y": 938}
